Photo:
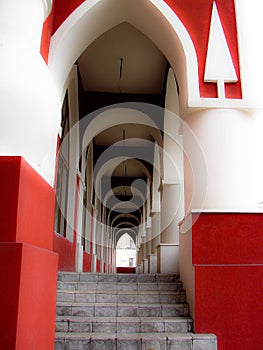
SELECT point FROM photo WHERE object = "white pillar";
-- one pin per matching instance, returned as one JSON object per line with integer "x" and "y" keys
{"x": 145, "y": 265}
{"x": 171, "y": 215}
{"x": 156, "y": 231}
{"x": 172, "y": 204}
{"x": 34, "y": 118}
{"x": 152, "y": 263}
{"x": 148, "y": 238}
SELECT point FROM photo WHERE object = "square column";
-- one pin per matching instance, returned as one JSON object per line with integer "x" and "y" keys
{"x": 145, "y": 266}
{"x": 168, "y": 258}
{"x": 152, "y": 263}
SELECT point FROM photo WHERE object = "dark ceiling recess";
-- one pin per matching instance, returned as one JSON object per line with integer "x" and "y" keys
{"x": 92, "y": 100}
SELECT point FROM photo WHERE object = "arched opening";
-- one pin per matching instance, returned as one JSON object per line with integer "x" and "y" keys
{"x": 118, "y": 91}
{"x": 125, "y": 251}
{"x": 154, "y": 18}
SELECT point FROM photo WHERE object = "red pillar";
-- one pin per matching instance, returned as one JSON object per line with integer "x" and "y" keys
{"x": 28, "y": 266}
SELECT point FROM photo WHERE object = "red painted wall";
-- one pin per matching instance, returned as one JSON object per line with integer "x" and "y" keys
{"x": 26, "y": 206}
{"x": 228, "y": 238}
{"x": 228, "y": 265}
{"x": 196, "y": 16}
{"x": 37, "y": 299}
{"x": 28, "y": 277}
{"x": 66, "y": 251}
{"x": 62, "y": 10}
{"x": 97, "y": 265}
{"x": 10, "y": 259}
{"x": 229, "y": 303}
{"x": 46, "y": 36}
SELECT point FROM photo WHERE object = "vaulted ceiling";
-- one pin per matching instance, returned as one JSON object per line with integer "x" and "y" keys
{"x": 123, "y": 60}
{"x": 124, "y": 64}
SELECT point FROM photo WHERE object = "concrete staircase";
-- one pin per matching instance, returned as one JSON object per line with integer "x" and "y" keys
{"x": 125, "y": 312}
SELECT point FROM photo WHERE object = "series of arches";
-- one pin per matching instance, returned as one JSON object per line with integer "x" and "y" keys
{"x": 132, "y": 201}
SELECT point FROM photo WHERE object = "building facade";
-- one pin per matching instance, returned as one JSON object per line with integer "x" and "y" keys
{"x": 132, "y": 116}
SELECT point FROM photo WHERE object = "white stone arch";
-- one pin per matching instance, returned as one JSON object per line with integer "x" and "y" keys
{"x": 121, "y": 232}
{"x": 95, "y": 17}
{"x": 135, "y": 192}
{"x": 125, "y": 205}
{"x": 126, "y": 216}
{"x": 110, "y": 165}
{"x": 115, "y": 115}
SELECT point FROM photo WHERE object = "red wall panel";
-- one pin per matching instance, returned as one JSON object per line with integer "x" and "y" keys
{"x": 10, "y": 270}
{"x": 26, "y": 206}
{"x": 87, "y": 258}
{"x": 66, "y": 252}
{"x": 228, "y": 238}
{"x": 36, "y": 209}
{"x": 97, "y": 265}
{"x": 62, "y": 10}
{"x": 37, "y": 299}
{"x": 28, "y": 278}
{"x": 228, "y": 266}
{"x": 46, "y": 36}
{"x": 229, "y": 303}
{"x": 9, "y": 187}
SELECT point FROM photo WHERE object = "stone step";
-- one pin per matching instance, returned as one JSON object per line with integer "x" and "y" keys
{"x": 119, "y": 286}
{"x": 141, "y": 296}
{"x": 125, "y": 311}
{"x": 135, "y": 341}
{"x": 122, "y": 310}
{"x": 122, "y": 277}
{"x": 123, "y": 324}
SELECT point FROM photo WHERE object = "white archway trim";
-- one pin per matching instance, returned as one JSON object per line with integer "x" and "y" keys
{"x": 125, "y": 205}
{"x": 132, "y": 216}
{"x": 135, "y": 192}
{"x": 93, "y": 18}
{"x": 122, "y": 232}
{"x": 119, "y": 114}
{"x": 109, "y": 166}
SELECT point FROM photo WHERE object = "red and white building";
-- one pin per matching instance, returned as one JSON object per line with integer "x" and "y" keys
{"x": 132, "y": 116}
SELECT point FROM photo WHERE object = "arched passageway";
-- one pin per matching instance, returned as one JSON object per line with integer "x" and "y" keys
{"x": 121, "y": 168}
{"x": 130, "y": 154}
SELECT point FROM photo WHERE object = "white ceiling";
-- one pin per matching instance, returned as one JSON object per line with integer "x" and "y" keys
{"x": 143, "y": 67}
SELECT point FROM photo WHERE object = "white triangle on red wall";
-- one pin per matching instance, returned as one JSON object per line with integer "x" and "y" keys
{"x": 219, "y": 64}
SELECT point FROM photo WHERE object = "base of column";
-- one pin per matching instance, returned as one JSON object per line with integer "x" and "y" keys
{"x": 94, "y": 263}
{"x": 139, "y": 268}
{"x": 168, "y": 258}
{"x": 152, "y": 263}
{"x": 145, "y": 265}
{"x": 28, "y": 277}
